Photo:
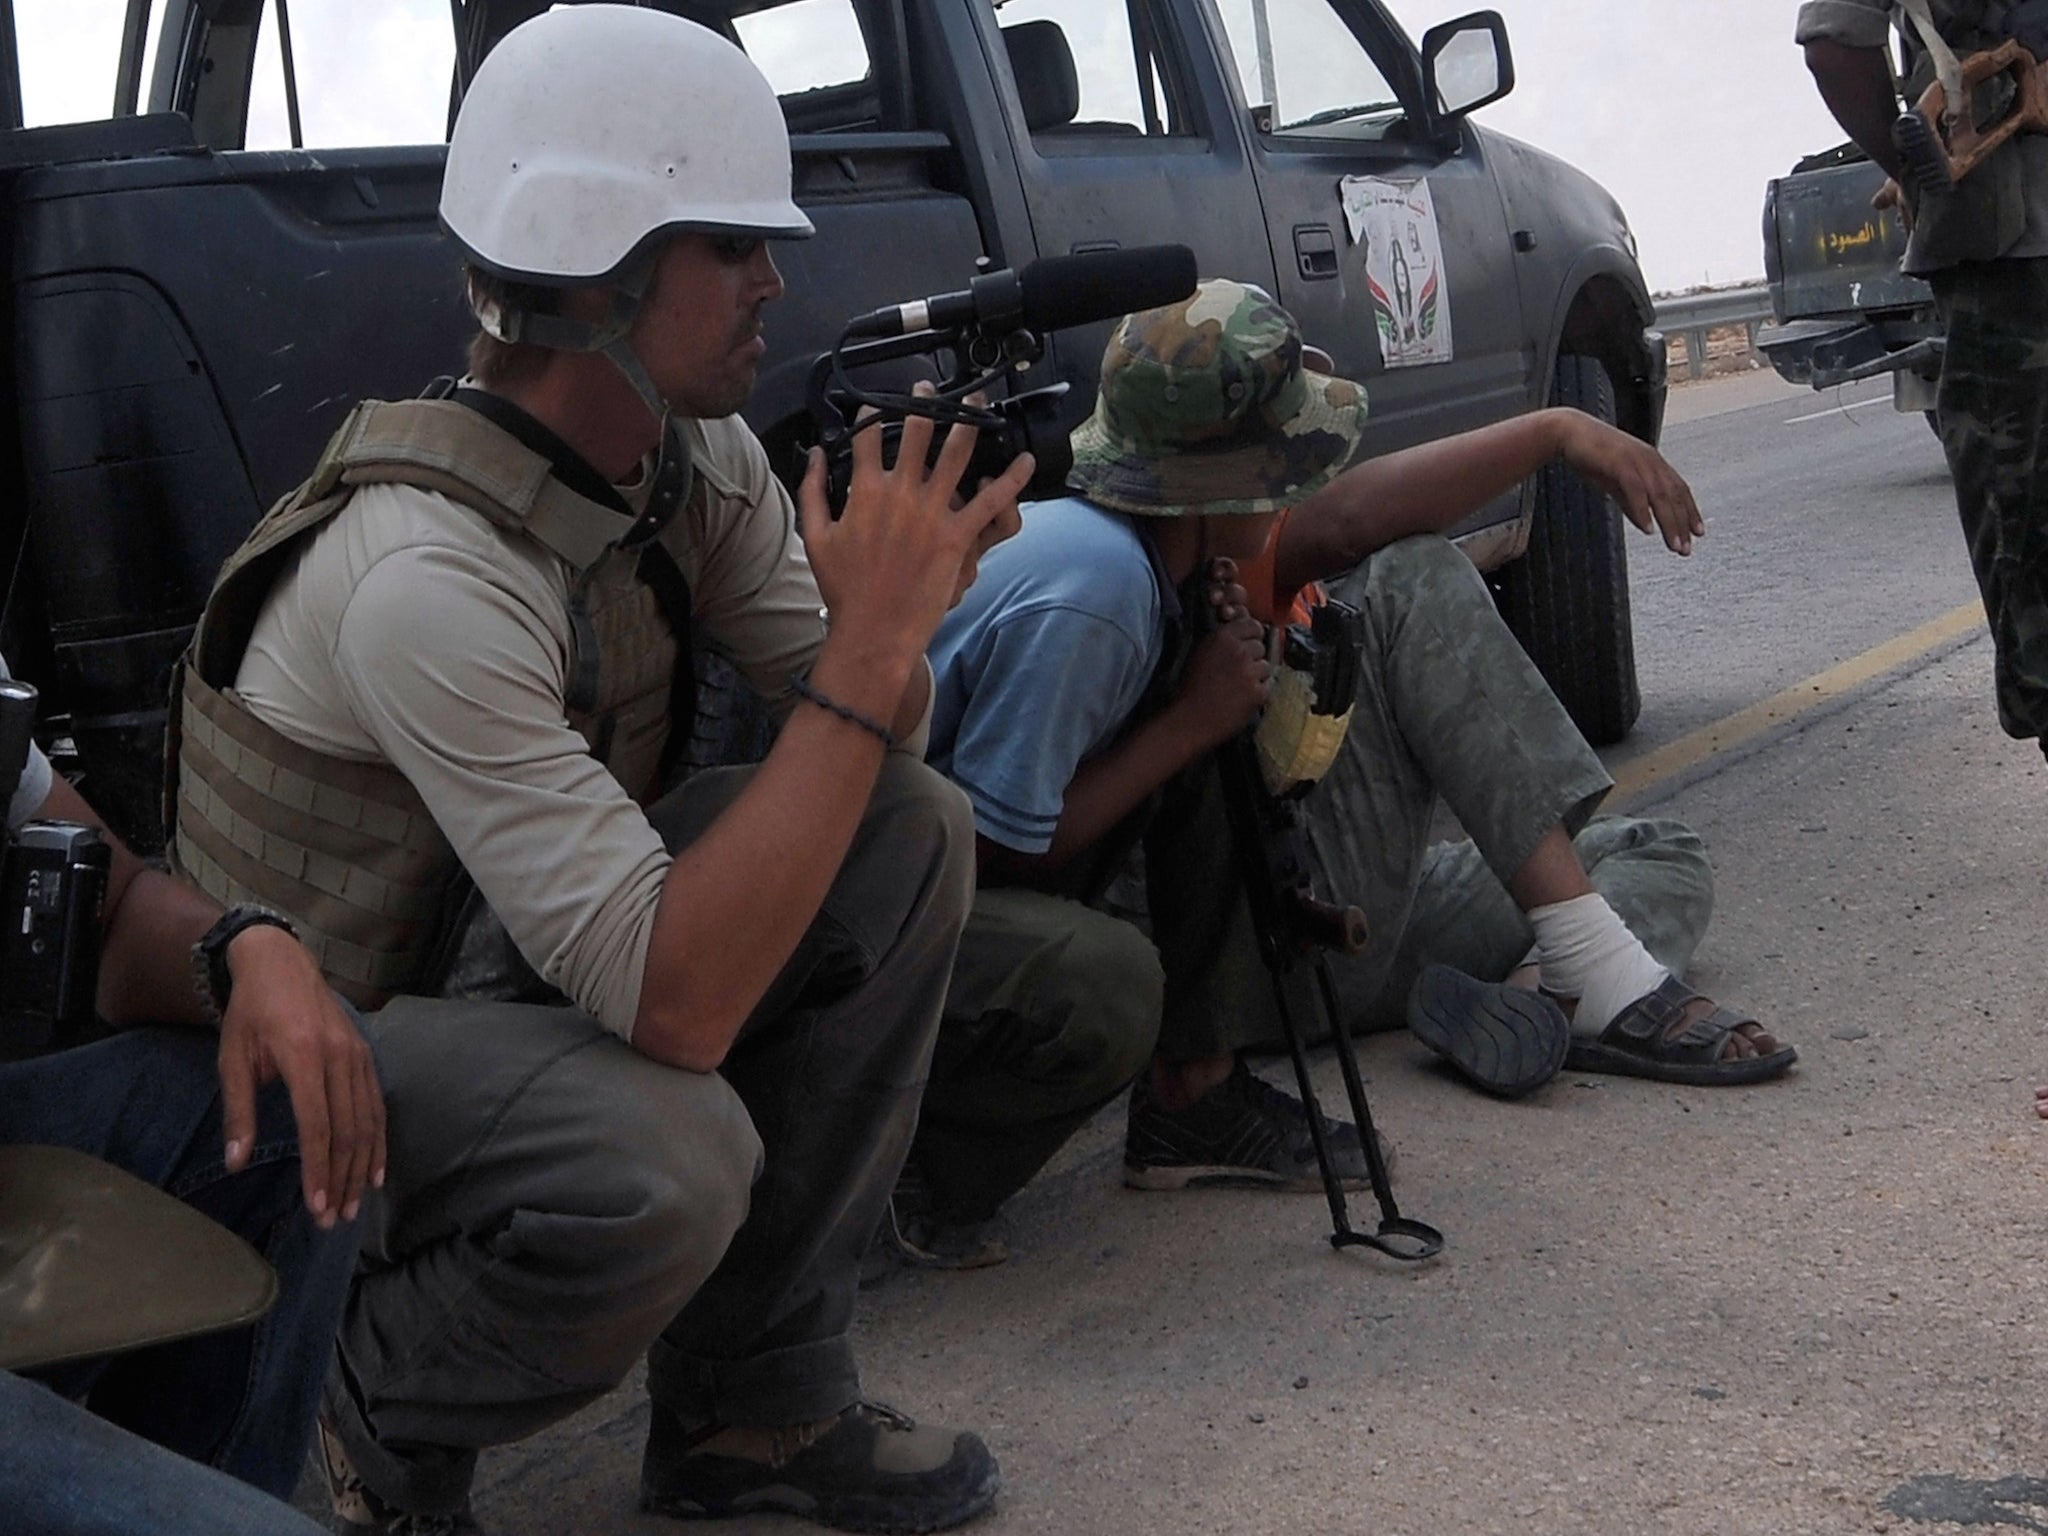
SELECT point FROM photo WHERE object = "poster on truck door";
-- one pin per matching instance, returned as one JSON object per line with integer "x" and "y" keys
{"x": 1394, "y": 223}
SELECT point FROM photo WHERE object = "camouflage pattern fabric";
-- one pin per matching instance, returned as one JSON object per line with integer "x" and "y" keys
{"x": 1206, "y": 408}
{"x": 1993, "y": 408}
{"x": 1450, "y": 711}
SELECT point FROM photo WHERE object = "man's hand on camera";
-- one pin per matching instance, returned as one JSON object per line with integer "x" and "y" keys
{"x": 1005, "y": 525}
{"x": 900, "y": 554}
{"x": 283, "y": 1022}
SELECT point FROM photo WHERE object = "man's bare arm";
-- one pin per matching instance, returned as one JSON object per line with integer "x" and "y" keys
{"x": 1432, "y": 487}
{"x": 1226, "y": 683}
{"x": 1856, "y": 84}
{"x": 281, "y": 1021}
{"x": 735, "y": 902}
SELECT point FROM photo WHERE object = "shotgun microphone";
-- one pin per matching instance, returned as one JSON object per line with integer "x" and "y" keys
{"x": 1049, "y": 294}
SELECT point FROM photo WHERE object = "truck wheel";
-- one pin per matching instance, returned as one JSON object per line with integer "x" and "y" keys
{"x": 1567, "y": 598}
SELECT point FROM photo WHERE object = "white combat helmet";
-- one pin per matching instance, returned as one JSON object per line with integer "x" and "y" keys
{"x": 592, "y": 131}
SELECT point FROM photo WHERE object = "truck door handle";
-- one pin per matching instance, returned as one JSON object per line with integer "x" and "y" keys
{"x": 1315, "y": 251}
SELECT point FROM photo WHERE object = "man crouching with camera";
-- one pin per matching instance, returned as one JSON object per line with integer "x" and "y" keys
{"x": 443, "y": 688}
{"x": 273, "y": 1126}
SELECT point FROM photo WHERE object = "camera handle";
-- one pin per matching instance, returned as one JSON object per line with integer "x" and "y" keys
{"x": 981, "y": 358}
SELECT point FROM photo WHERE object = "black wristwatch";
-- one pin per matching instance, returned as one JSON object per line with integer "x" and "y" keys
{"x": 210, "y": 974}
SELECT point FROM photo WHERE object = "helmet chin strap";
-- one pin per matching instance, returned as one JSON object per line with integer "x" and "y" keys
{"x": 668, "y": 482}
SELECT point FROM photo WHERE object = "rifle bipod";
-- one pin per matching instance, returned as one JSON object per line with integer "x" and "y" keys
{"x": 1397, "y": 1236}
{"x": 1291, "y": 924}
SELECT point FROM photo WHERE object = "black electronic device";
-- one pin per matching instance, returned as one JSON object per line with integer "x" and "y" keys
{"x": 994, "y": 327}
{"x": 53, "y": 880}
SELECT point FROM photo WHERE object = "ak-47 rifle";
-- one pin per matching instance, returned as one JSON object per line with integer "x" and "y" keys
{"x": 1292, "y": 925}
{"x": 1940, "y": 140}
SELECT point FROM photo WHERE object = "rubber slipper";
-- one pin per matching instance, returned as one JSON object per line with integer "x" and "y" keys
{"x": 1507, "y": 1041}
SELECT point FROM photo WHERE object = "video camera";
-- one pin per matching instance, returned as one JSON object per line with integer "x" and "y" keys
{"x": 997, "y": 325}
{"x": 53, "y": 879}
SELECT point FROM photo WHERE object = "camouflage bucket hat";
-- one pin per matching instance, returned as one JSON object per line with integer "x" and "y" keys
{"x": 1205, "y": 408}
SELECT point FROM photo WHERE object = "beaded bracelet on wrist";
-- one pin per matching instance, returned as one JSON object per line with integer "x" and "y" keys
{"x": 802, "y": 687}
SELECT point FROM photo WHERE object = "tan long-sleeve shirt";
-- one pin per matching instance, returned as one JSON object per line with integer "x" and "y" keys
{"x": 412, "y": 631}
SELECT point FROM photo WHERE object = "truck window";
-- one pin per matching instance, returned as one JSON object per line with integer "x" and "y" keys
{"x": 806, "y": 45}
{"x": 1092, "y": 69}
{"x": 368, "y": 72}
{"x": 69, "y": 52}
{"x": 1301, "y": 60}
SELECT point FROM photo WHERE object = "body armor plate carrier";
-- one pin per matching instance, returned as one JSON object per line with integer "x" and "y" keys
{"x": 348, "y": 849}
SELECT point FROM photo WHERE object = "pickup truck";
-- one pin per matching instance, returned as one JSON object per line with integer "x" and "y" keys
{"x": 1843, "y": 309}
{"x": 192, "y": 313}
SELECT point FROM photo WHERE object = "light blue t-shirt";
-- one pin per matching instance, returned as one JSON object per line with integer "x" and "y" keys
{"x": 1043, "y": 662}
{"x": 34, "y": 787}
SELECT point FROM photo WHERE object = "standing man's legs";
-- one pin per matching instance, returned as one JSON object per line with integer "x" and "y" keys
{"x": 1993, "y": 409}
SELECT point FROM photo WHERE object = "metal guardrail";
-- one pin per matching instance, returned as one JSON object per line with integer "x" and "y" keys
{"x": 1692, "y": 315}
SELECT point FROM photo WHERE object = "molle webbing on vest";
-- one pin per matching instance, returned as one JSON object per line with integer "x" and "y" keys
{"x": 349, "y": 849}
{"x": 625, "y": 669}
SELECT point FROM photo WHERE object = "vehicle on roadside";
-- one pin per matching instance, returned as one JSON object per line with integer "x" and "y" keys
{"x": 192, "y": 315}
{"x": 1843, "y": 309}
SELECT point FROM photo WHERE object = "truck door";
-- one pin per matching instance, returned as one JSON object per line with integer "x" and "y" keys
{"x": 1391, "y": 243}
{"x": 1123, "y": 126}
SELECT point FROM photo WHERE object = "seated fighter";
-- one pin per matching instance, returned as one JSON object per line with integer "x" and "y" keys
{"x": 1069, "y": 698}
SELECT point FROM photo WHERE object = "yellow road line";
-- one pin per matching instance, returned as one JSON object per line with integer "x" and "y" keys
{"x": 1639, "y": 773}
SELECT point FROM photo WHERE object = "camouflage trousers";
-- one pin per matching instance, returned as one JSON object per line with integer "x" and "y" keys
{"x": 1993, "y": 408}
{"x": 1450, "y": 711}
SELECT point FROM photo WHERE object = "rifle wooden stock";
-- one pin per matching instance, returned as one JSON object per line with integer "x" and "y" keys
{"x": 1935, "y": 154}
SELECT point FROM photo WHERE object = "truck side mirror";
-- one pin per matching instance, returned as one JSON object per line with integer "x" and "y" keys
{"x": 1466, "y": 64}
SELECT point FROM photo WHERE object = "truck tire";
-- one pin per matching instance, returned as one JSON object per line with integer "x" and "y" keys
{"x": 1567, "y": 599}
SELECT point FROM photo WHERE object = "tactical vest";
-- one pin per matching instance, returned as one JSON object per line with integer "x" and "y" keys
{"x": 348, "y": 849}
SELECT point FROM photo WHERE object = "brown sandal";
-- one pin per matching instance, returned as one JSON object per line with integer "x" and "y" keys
{"x": 1675, "y": 1035}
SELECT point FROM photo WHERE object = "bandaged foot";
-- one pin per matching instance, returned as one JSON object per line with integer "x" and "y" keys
{"x": 1590, "y": 960}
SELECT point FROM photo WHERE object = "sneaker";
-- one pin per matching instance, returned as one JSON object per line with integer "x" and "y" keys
{"x": 359, "y": 1512}
{"x": 1507, "y": 1041}
{"x": 1244, "y": 1132}
{"x": 869, "y": 1469}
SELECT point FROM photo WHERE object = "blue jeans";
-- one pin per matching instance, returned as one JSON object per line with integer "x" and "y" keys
{"x": 148, "y": 1101}
{"x": 68, "y": 1473}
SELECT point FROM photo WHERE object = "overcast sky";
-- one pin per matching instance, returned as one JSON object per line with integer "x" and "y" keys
{"x": 1683, "y": 108}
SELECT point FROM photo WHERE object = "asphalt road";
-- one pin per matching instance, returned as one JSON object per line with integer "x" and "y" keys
{"x": 1805, "y": 1307}
{"x": 1830, "y": 528}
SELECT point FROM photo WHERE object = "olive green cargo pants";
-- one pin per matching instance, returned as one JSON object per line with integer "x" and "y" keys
{"x": 557, "y": 1203}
